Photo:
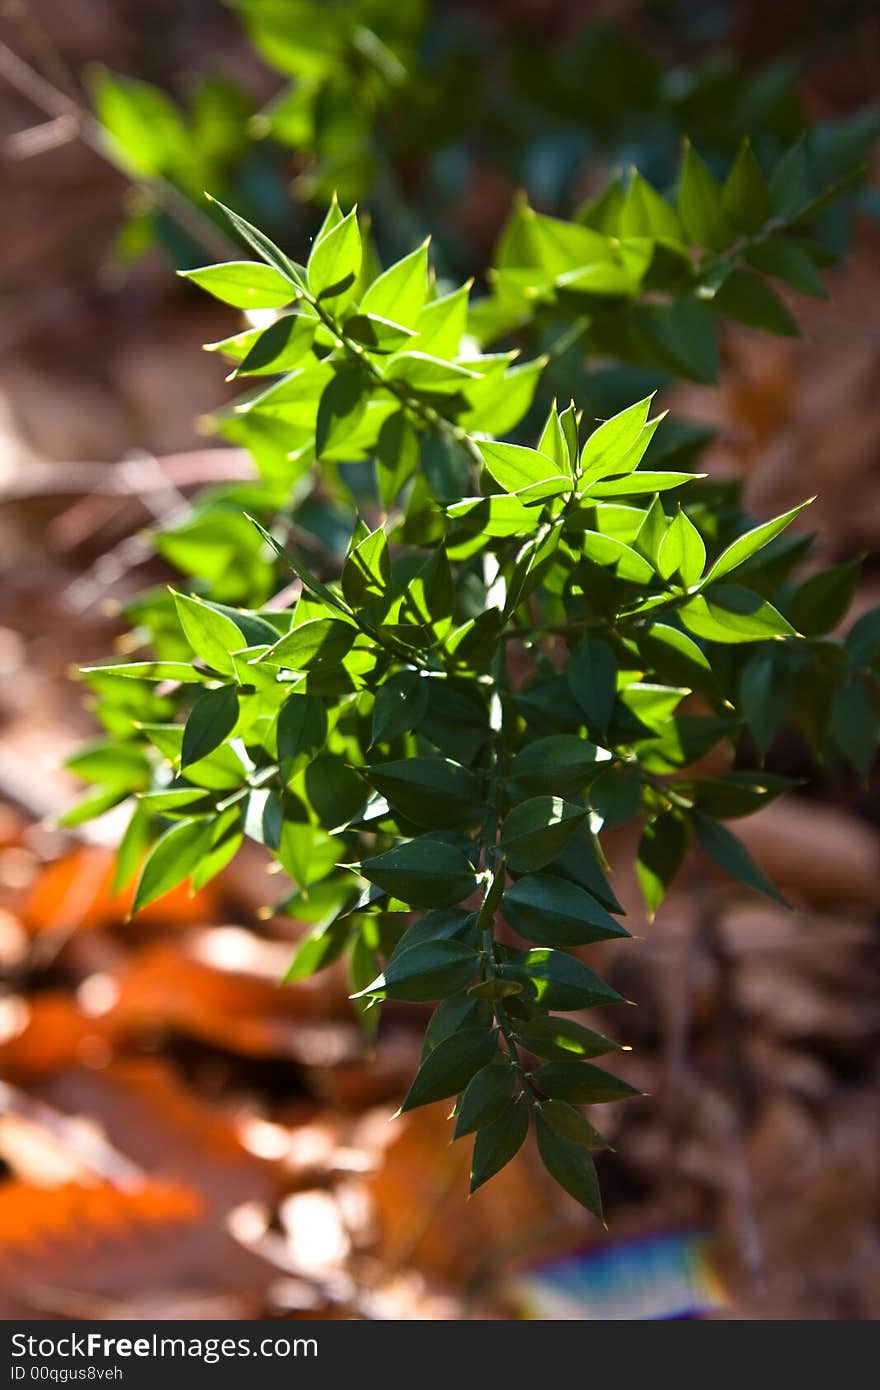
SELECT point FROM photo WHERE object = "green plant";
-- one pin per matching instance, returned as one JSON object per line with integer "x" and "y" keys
{"x": 483, "y": 657}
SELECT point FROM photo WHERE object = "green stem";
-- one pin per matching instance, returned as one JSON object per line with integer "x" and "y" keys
{"x": 492, "y": 863}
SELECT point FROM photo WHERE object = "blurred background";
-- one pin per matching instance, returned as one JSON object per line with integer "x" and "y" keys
{"x": 178, "y": 1135}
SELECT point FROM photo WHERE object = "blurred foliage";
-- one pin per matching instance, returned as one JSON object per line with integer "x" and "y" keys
{"x": 409, "y": 108}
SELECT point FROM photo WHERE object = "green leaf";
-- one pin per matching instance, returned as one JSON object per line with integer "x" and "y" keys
{"x": 682, "y": 551}
{"x": 422, "y": 872}
{"x": 335, "y": 260}
{"x": 399, "y": 292}
{"x": 433, "y": 792}
{"x": 822, "y": 601}
{"x": 563, "y": 763}
{"x": 561, "y": 1039}
{"x": 534, "y": 832}
{"x": 737, "y": 793}
{"x": 212, "y": 635}
{"x": 149, "y": 671}
{"x": 140, "y": 123}
{"x": 638, "y": 484}
{"x": 570, "y": 1124}
{"x": 676, "y": 657}
{"x": 700, "y": 204}
{"x": 786, "y": 259}
{"x": 646, "y": 214}
{"x": 765, "y": 691}
{"x": 592, "y": 679}
{"x": 401, "y": 705}
{"x": 652, "y": 705}
{"x": 661, "y": 851}
{"x": 301, "y": 733}
{"x": 446, "y": 465}
{"x": 376, "y": 333}
{"x": 733, "y": 614}
{"x": 319, "y": 949}
{"x": 311, "y": 583}
{"x": 134, "y": 845}
{"x": 863, "y": 640}
{"x": 745, "y": 196}
{"x": 649, "y": 536}
{"x": 341, "y": 409}
{"x": 173, "y": 858}
{"x": 789, "y": 193}
{"x": 621, "y": 559}
{"x": 397, "y": 457}
{"x": 318, "y": 642}
{"x": 854, "y": 726}
{"x": 581, "y": 1083}
{"x": 731, "y": 855}
{"x": 747, "y": 545}
{"x": 335, "y": 791}
{"x": 444, "y": 924}
{"x": 554, "y": 912}
{"x": 449, "y": 1066}
{"x": 571, "y": 1165}
{"x": 259, "y": 242}
{"x": 554, "y": 445}
{"x": 514, "y": 467}
{"x": 486, "y": 1097}
{"x": 453, "y": 1014}
{"x": 497, "y": 1143}
{"x": 244, "y": 284}
{"x": 557, "y": 980}
{"x": 280, "y": 347}
{"x": 751, "y": 300}
{"x": 212, "y": 719}
{"x": 615, "y": 445}
{"x": 581, "y": 862}
{"x": 366, "y": 574}
{"x": 429, "y": 970}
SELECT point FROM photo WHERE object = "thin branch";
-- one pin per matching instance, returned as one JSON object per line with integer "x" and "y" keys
{"x": 57, "y": 104}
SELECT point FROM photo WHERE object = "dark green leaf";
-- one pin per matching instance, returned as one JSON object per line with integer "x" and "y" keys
{"x": 497, "y": 1143}
{"x": 581, "y": 1082}
{"x": 301, "y": 733}
{"x": 731, "y": 855}
{"x": 423, "y": 872}
{"x": 571, "y": 1165}
{"x": 561, "y": 1039}
{"x": 534, "y": 832}
{"x": 401, "y": 705}
{"x": 661, "y": 850}
{"x": 433, "y": 792}
{"x": 592, "y": 678}
{"x": 212, "y": 719}
{"x": 570, "y": 1124}
{"x": 700, "y": 204}
{"x": 173, "y": 858}
{"x": 751, "y": 300}
{"x": 449, "y": 1066}
{"x": 557, "y": 980}
{"x": 430, "y": 970}
{"x": 485, "y": 1097}
{"x": 554, "y": 912}
{"x": 559, "y": 763}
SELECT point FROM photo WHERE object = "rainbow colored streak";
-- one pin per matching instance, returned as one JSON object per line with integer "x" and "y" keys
{"x": 663, "y": 1276}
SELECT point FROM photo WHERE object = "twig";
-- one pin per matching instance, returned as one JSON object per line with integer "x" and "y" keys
{"x": 56, "y": 104}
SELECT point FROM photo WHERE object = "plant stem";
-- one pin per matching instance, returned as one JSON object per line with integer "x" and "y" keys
{"x": 492, "y": 862}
